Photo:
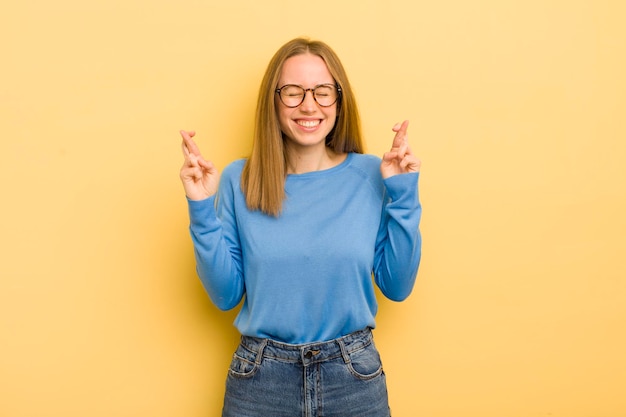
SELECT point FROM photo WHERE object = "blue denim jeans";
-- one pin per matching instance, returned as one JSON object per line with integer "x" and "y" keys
{"x": 340, "y": 378}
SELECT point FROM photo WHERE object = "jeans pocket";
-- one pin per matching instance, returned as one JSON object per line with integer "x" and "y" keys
{"x": 243, "y": 364}
{"x": 365, "y": 363}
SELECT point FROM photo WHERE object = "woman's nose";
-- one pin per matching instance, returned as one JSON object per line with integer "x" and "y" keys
{"x": 309, "y": 103}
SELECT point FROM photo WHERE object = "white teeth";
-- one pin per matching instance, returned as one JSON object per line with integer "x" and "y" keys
{"x": 308, "y": 123}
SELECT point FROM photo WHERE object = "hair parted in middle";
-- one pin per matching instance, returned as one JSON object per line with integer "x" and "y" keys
{"x": 264, "y": 173}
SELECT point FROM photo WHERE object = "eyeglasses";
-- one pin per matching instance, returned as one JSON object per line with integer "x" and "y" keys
{"x": 324, "y": 94}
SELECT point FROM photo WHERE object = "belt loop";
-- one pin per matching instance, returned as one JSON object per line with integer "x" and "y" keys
{"x": 259, "y": 355}
{"x": 344, "y": 353}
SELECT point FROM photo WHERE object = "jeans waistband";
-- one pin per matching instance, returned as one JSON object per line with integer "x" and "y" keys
{"x": 309, "y": 352}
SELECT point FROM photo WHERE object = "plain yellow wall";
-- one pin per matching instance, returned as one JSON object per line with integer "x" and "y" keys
{"x": 517, "y": 110}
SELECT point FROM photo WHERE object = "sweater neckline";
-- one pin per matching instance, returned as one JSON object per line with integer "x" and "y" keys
{"x": 323, "y": 172}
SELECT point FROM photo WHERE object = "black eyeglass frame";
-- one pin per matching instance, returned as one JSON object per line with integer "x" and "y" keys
{"x": 312, "y": 90}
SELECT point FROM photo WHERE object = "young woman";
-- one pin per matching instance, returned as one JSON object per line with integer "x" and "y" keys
{"x": 297, "y": 231}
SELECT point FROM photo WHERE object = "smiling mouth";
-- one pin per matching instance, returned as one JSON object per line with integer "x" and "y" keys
{"x": 308, "y": 123}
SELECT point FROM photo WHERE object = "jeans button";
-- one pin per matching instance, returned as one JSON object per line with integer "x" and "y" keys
{"x": 309, "y": 354}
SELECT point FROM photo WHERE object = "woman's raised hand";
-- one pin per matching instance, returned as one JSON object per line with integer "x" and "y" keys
{"x": 200, "y": 177}
{"x": 399, "y": 159}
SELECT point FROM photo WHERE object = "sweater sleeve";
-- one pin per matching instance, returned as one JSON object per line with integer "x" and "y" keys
{"x": 399, "y": 242}
{"x": 217, "y": 249}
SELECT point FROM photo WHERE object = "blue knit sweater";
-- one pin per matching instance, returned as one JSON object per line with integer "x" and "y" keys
{"x": 306, "y": 276}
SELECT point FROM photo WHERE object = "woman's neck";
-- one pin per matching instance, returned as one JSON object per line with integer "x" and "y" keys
{"x": 303, "y": 160}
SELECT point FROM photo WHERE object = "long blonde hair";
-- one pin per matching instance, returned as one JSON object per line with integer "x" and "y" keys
{"x": 263, "y": 176}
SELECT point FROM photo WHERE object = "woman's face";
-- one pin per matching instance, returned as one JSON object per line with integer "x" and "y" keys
{"x": 308, "y": 124}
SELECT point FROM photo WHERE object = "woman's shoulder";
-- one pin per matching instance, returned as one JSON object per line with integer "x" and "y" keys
{"x": 366, "y": 168}
{"x": 233, "y": 170}
{"x": 366, "y": 157}
{"x": 230, "y": 176}
{"x": 365, "y": 162}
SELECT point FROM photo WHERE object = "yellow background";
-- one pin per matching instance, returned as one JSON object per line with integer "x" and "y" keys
{"x": 517, "y": 110}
